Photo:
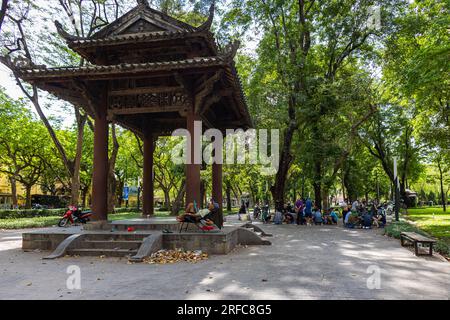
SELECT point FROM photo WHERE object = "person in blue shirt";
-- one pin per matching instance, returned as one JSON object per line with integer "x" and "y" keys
{"x": 334, "y": 217}
{"x": 317, "y": 216}
{"x": 308, "y": 211}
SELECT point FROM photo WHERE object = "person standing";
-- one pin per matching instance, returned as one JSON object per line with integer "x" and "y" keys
{"x": 298, "y": 208}
{"x": 308, "y": 211}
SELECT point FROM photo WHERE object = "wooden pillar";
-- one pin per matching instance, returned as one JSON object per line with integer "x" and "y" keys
{"x": 148, "y": 196}
{"x": 217, "y": 188}
{"x": 100, "y": 165}
{"x": 192, "y": 169}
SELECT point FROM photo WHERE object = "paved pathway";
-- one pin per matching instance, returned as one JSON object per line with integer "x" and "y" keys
{"x": 302, "y": 263}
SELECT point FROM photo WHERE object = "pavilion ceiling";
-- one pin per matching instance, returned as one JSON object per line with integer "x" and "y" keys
{"x": 150, "y": 69}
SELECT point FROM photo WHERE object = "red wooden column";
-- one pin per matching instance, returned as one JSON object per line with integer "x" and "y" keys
{"x": 217, "y": 188}
{"x": 192, "y": 169}
{"x": 148, "y": 195}
{"x": 100, "y": 166}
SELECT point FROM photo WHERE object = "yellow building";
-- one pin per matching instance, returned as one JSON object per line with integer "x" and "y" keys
{"x": 5, "y": 192}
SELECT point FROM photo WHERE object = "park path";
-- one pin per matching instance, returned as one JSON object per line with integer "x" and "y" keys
{"x": 316, "y": 262}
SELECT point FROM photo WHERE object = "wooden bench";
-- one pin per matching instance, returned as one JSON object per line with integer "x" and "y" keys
{"x": 416, "y": 238}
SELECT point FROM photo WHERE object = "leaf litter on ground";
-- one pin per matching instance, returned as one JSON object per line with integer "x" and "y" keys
{"x": 174, "y": 256}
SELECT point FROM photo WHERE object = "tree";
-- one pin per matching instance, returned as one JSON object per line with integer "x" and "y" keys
{"x": 84, "y": 18}
{"x": 23, "y": 146}
{"x": 303, "y": 48}
{"x": 3, "y": 8}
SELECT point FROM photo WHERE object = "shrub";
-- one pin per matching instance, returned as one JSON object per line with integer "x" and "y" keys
{"x": 34, "y": 213}
{"x": 30, "y": 213}
{"x": 443, "y": 248}
{"x": 126, "y": 210}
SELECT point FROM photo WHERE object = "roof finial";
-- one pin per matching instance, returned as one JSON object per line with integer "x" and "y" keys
{"x": 207, "y": 24}
{"x": 64, "y": 34}
{"x": 231, "y": 49}
{"x": 143, "y": 3}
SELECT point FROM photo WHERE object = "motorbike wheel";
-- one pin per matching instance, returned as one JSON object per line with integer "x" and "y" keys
{"x": 63, "y": 222}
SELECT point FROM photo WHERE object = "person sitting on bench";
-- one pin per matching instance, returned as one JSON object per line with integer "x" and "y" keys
{"x": 189, "y": 215}
{"x": 203, "y": 216}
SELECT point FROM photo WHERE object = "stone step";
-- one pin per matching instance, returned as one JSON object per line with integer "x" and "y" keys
{"x": 110, "y": 244}
{"x": 116, "y": 236}
{"x": 102, "y": 252}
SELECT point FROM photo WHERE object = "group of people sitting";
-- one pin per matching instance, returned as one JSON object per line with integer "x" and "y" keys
{"x": 359, "y": 215}
{"x": 205, "y": 217}
{"x": 306, "y": 212}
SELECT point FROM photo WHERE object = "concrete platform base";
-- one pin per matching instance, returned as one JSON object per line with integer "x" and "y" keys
{"x": 111, "y": 239}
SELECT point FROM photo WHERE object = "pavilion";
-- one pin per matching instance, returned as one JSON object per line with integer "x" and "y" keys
{"x": 151, "y": 74}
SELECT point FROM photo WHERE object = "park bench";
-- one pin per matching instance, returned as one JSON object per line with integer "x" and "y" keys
{"x": 415, "y": 239}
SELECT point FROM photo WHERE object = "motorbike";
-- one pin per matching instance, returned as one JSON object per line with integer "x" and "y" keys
{"x": 74, "y": 216}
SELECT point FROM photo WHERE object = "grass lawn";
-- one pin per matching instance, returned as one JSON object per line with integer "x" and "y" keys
{"x": 41, "y": 222}
{"x": 429, "y": 221}
{"x": 23, "y": 223}
{"x": 432, "y": 220}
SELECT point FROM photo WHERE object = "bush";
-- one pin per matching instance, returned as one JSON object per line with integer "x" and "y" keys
{"x": 30, "y": 213}
{"x": 443, "y": 248}
{"x": 396, "y": 228}
{"x": 126, "y": 210}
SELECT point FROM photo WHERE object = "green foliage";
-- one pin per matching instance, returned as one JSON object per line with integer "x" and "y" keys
{"x": 31, "y": 213}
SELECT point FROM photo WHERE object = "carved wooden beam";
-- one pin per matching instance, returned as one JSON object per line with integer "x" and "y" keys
{"x": 208, "y": 88}
{"x": 125, "y": 111}
{"x": 183, "y": 82}
{"x": 145, "y": 90}
{"x": 85, "y": 92}
{"x": 209, "y": 102}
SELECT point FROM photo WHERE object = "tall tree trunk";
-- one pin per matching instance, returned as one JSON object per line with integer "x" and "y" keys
{"x": 28, "y": 197}
{"x": 303, "y": 186}
{"x": 167, "y": 198}
{"x": 325, "y": 194}
{"x": 84, "y": 193}
{"x": 119, "y": 192}
{"x": 202, "y": 193}
{"x": 177, "y": 204}
{"x": 228, "y": 194}
{"x": 443, "y": 193}
{"x": 12, "y": 181}
{"x": 317, "y": 184}
{"x": 317, "y": 194}
{"x": 3, "y": 12}
{"x": 112, "y": 182}
{"x": 278, "y": 190}
{"x": 75, "y": 183}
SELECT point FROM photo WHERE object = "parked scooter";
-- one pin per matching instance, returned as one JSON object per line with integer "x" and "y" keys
{"x": 74, "y": 216}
